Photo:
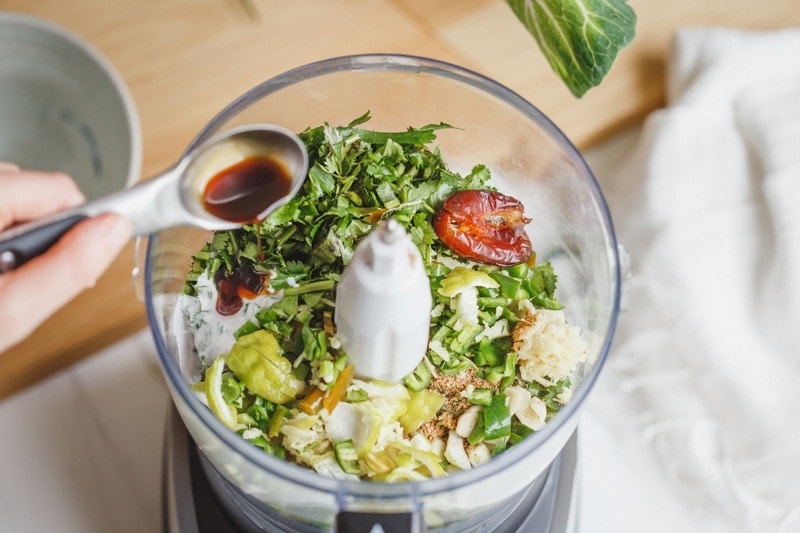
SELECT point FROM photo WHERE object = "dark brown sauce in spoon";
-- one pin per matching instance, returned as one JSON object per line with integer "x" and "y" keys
{"x": 241, "y": 192}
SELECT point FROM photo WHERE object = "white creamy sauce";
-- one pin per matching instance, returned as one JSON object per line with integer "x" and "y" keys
{"x": 213, "y": 333}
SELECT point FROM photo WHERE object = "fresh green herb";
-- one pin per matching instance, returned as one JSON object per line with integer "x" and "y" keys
{"x": 357, "y": 178}
{"x": 541, "y": 286}
{"x": 579, "y": 38}
{"x": 260, "y": 413}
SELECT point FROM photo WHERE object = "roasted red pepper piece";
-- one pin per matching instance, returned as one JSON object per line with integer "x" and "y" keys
{"x": 484, "y": 226}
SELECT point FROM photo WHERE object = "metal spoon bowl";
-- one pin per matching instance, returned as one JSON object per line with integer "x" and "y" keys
{"x": 174, "y": 197}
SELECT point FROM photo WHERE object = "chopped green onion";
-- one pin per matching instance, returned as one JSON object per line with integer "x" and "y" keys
{"x": 492, "y": 301}
{"x": 346, "y": 456}
{"x": 419, "y": 378}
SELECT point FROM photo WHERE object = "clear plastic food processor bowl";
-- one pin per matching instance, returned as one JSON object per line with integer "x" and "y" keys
{"x": 530, "y": 159}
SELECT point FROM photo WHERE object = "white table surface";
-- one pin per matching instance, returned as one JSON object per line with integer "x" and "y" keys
{"x": 82, "y": 451}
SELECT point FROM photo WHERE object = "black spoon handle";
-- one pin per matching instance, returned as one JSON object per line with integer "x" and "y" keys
{"x": 20, "y": 248}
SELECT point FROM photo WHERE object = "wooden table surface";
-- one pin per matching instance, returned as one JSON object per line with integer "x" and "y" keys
{"x": 184, "y": 60}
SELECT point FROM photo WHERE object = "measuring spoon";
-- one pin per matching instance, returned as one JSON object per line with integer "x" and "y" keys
{"x": 235, "y": 178}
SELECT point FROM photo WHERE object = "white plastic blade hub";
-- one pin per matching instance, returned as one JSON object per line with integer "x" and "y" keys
{"x": 383, "y": 305}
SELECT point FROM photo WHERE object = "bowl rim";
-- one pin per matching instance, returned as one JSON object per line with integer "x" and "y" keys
{"x": 503, "y": 462}
{"x": 105, "y": 66}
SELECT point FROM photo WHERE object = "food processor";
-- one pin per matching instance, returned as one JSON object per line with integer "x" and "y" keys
{"x": 215, "y": 481}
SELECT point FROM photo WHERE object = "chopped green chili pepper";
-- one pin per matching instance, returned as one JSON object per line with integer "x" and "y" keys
{"x": 480, "y": 397}
{"x": 497, "y": 418}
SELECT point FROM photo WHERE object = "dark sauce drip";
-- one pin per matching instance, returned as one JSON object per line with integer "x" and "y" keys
{"x": 234, "y": 287}
{"x": 241, "y": 192}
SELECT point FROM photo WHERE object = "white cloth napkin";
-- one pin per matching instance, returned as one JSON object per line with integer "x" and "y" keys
{"x": 695, "y": 422}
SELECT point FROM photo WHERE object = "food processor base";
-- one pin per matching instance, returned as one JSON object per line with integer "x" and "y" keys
{"x": 196, "y": 499}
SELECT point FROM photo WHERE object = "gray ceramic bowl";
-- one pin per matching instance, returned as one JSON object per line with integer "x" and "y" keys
{"x": 64, "y": 107}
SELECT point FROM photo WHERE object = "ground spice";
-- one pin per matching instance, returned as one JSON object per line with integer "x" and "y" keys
{"x": 452, "y": 387}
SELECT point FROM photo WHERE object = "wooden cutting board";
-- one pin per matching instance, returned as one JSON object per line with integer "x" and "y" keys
{"x": 184, "y": 60}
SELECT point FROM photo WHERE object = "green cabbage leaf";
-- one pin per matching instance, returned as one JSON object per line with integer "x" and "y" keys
{"x": 579, "y": 38}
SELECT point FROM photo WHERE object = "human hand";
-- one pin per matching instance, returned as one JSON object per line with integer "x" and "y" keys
{"x": 37, "y": 289}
